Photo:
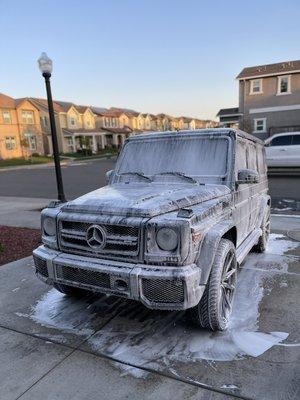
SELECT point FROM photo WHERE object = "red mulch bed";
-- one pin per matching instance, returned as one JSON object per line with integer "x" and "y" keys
{"x": 16, "y": 243}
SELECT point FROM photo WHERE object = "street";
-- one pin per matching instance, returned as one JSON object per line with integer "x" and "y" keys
{"x": 82, "y": 177}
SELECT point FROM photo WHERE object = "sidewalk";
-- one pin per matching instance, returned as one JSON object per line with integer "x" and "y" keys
{"x": 102, "y": 347}
{"x": 21, "y": 212}
{"x": 63, "y": 162}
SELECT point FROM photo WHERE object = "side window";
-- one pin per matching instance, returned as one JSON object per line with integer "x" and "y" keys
{"x": 251, "y": 159}
{"x": 240, "y": 157}
{"x": 282, "y": 141}
{"x": 296, "y": 139}
{"x": 261, "y": 165}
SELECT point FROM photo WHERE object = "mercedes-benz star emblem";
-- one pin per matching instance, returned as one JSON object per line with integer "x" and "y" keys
{"x": 96, "y": 237}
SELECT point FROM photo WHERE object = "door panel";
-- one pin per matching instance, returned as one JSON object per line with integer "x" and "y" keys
{"x": 242, "y": 204}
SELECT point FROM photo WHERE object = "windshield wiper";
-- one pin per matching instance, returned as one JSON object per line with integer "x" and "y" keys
{"x": 140, "y": 174}
{"x": 180, "y": 174}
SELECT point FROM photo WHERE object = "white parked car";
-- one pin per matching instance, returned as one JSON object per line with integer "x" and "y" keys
{"x": 283, "y": 150}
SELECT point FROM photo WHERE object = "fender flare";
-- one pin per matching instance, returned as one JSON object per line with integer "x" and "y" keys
{"x": 209, "y": 247}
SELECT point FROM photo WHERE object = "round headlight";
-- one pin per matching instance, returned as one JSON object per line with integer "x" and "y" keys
{"x": 49, "y": 226}
{"x": 167, "y": 239}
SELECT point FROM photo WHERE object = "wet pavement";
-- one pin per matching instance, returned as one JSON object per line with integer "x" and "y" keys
{"x": 104, "y": 347}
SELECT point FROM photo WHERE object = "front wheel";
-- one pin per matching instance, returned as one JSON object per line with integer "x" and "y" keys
{"x": 215, "y": 306}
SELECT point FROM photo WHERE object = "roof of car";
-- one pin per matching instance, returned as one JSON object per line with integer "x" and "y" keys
{"x": 196, "y": 132}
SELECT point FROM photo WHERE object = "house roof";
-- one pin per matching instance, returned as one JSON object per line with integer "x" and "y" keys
{"x": 6, "y": 101}
{"x": 81, "y": 109}
{"x": 285, "y": 67}
{"x": 98, "y": 110}
{"x": 112, "y": 113}
{"x": 42, "y": 104}
{"x": 116, "y": 112}
{"x": 125, "y": 110}
{"x": 124, "y": 130}
{"x": 65, "y": 105}
{"x": 228, "y": 111}
{"x": 186, "y": 119}
{"x": 131, "y": 113}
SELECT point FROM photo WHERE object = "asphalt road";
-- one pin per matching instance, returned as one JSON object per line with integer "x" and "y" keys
{"x": 82, "y": 177}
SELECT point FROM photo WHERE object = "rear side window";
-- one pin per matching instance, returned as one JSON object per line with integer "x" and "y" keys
{"x": 241, "y": 157}
{"x": 296, "y": 139}
{"x": 261, "y": 164}
{"x": 251, "y": 157}
{"x": 282, "y": 141}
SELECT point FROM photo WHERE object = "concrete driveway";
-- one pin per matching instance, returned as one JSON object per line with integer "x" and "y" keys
{"x": 99, "y": 347}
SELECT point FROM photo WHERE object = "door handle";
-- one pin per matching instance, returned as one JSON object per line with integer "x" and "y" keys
{"x": 282, "y": 149}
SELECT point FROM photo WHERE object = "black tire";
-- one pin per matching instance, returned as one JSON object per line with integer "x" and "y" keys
{"x": 70, "y": 290}
{"x": 262, "y": 243}
{"x": 214, "y": 308}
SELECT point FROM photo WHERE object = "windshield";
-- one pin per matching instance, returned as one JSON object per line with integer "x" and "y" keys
{"x": 193, "y": 157}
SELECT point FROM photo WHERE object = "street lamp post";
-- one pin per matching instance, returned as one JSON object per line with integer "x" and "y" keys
{"x": 45, "y": 65}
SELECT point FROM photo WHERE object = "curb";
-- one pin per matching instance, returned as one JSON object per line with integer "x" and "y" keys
{"x": 63, "y": 163}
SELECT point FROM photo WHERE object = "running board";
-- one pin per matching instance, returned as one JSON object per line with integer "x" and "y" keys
{"x": 247, "y": 245}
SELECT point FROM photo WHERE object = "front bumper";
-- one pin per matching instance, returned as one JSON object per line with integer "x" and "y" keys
{"x": 166, "y": 288}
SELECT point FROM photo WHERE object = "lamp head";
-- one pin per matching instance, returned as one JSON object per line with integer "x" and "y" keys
{"x": 45, "y": 64}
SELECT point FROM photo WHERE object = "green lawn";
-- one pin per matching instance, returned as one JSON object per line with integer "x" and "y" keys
{"x": 13, "y": 162}
{"x": 111, "y": 151}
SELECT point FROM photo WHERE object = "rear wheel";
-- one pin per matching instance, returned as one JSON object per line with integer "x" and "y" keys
{"x": 261, "y": 246}
{"x": 215, "y": 306}
{"x": 70, "y": 290}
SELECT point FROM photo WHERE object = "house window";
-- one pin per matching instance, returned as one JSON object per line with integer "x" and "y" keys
{"x": 260, "y": 125}
{"x": 70, "y": 142}
{"x": 73, "y": 121}
{"x": 10, "y": 143}
{"x": 88, "y": 122}
{"x": 32, "y": 142}
{"x": 6, "y": 117}
{"x": 45, "y": 121}
{"x": 284, "y": 84}
{"x": 256, "y": 86}
{"x": 27, "y": 117}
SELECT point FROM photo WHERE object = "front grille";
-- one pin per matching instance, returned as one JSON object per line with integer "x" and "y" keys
{"x": 87, "y": 277}
{"x": 120, "y": 240}
{"x": 163, "y": 290}
{"x": 40, "y": 266}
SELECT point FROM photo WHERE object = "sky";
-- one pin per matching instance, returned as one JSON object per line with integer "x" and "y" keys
{"x": 171, "y": 56}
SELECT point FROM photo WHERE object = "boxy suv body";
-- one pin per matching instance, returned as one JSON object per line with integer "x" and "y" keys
{"x": 180, "y": 212}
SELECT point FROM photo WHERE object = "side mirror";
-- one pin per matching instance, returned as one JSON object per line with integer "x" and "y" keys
{"x": 109, "y": 175}
{"x": 247, "y": 176}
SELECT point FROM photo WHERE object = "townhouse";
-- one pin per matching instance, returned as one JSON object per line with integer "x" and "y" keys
{"x": 10, "y": 138}
{"x": 269, "y": 100}
{"x": 25, "y": 126}
{"x": 20, "y": 128}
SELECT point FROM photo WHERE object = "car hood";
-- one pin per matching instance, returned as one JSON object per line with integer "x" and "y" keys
{"x": 144, "y": 200}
